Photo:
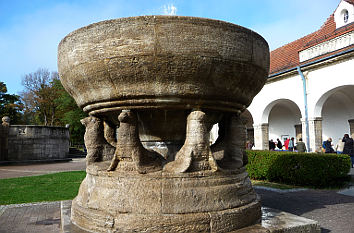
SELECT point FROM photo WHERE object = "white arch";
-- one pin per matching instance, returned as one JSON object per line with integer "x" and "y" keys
{"x": 346, "y": 96}
{"x": 292, "y": 106}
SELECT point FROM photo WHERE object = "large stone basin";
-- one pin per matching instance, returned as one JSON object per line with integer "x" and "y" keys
{"x": 154, "y": 86}
{"x": 163, "y": 62}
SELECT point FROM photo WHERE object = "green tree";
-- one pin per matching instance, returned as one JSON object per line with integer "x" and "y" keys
{"x": 39, "y": 97}
{"x": 10, "y": 105}
{"x": 69, "y": 113}
{"x": 47, "y": 103}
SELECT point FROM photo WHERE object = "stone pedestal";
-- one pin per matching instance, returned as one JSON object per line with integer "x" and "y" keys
{"x": 272, "y": 221}
{"x": 164, "y": 202}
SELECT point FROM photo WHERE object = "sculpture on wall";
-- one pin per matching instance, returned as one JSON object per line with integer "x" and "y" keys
{"x": 4, "y": 134}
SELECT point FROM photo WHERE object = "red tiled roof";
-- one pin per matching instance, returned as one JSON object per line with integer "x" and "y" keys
{"x": 287, "y": 56}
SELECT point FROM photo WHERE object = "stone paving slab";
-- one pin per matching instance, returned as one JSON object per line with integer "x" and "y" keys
{"x": 333, "y": 211}
{"x": 41, "y": 217}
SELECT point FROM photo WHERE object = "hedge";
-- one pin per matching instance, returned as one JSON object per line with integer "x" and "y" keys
{"x": 307, "y": 169}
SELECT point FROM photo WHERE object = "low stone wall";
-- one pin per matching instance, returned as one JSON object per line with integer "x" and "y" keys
{"x": 30, "y": 142}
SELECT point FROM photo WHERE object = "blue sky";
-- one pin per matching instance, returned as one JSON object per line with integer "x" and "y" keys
{"x": 30, "y": 30}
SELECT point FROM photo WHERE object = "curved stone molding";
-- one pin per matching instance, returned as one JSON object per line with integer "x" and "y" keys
{"x": 165, "y": 202}
{"x": 128, "y": 63}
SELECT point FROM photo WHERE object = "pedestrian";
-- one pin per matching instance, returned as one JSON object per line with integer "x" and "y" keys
{"x": 323, "y": 148}
{"x": 348, "y": 147}
{"x": 271, "y": 145}
{"x": 249, "y": 145}
{"x": 328, "y": 146}
{"x": 339, "y": 146}
{"x": 279, "y": 144}
{"x": 291, "y": 144}
{"x": 300, "y": 146}
{"x": 286, "y": 143}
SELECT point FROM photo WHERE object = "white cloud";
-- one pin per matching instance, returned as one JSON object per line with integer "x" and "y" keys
{"x": 169, "y": 10}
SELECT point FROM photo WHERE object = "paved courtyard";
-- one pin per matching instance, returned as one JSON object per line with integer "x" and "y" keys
{"x": 10, "y": 171}
{"x": 34, "y": 218}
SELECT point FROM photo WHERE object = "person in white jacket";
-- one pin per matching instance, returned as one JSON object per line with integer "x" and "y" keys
{"x": 339, "y": 146}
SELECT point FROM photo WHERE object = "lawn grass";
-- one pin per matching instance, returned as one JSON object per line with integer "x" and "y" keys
{"x": 64, "y": 186}
{"x": 50, "y": 187}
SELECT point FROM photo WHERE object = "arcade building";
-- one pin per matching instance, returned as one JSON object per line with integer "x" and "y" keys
{"x": 310, "y": 89}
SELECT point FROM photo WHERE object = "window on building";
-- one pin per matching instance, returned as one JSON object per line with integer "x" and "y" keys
{"x": 345, "y": 16}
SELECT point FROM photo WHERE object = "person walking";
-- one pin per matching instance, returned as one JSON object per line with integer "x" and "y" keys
{"x": 348, "y": 147}
{"x": 300, "y": 146}
{"x": 271, "y": 145}
{"x": 279, "y": 144}
{"x": 291, "y": 144}
{"x": 286, "y": 143}
{"x": 328, "y": 146}
{"x": 339, "y": 146}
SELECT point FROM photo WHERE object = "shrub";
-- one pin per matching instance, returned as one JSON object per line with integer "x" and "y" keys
{"x": 309, "y": 169}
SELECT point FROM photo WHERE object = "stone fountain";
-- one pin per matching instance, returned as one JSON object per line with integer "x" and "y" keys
{"x": 153, "y": 87}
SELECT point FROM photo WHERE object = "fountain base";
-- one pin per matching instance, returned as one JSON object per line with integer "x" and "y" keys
{"x": 187, "y": 202}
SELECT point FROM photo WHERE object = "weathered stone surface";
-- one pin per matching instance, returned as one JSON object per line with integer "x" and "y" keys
{"x": 164, "y": 202}
{"x": 195, "y": 154}
{"x": 94, "y": 139}
{"x": 129, "y": 149}
{"x": 229, "y": 149}
{"x": 163, "y": 82}
{"x": 272, "y": 221}
{"x": 30, "y": 142}
{"x": 163, "y": 62}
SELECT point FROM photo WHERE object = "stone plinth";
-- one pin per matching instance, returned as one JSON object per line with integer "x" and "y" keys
{"x": 272, "y": 221}
{"x": 164, "y": 202}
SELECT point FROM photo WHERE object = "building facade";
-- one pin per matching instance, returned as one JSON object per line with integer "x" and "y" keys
{"x": 310, "y": 90}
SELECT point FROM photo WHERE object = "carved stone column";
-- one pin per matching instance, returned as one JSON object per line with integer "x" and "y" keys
{"x": 195, "y": 154}
{"x": 315, "y": 129}
{"x": 130, "y": 153}
{"x": 351, "y": 127}
{"x": 261, "y": 136}
{"x": 229, "y": 149}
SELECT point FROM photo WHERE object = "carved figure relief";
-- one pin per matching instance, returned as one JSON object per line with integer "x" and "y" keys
{"x": 130, "y": 149}
{"x": 94, "y": 139}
